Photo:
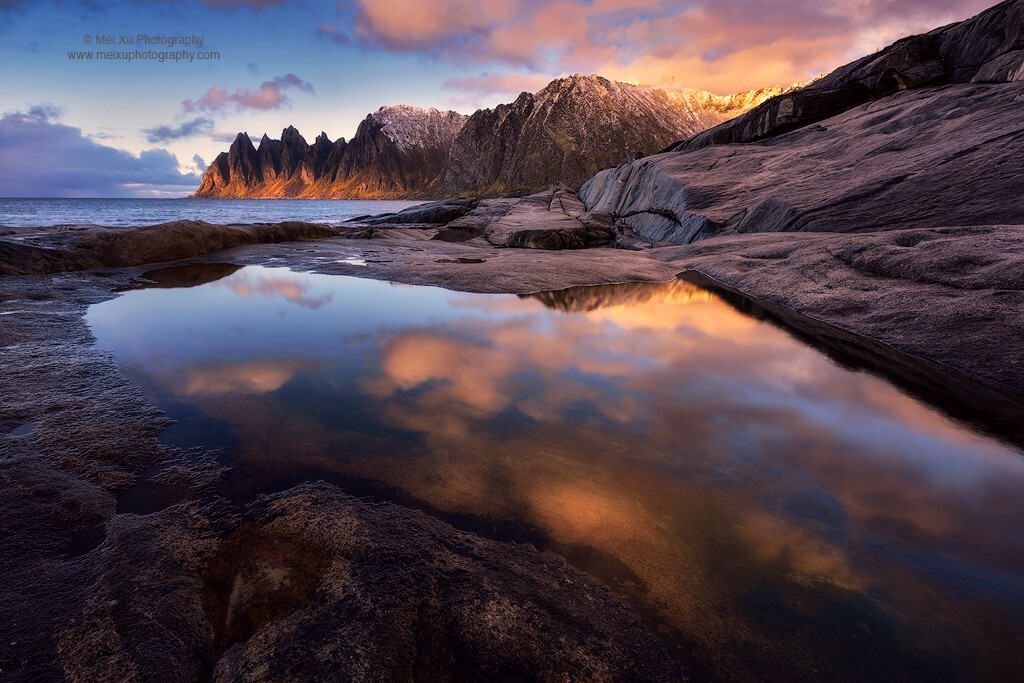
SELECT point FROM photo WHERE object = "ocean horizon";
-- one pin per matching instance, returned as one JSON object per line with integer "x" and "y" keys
{"x": 128, "y": 212}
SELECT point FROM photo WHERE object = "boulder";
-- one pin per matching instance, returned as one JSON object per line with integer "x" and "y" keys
{"x": 431, "y": 213}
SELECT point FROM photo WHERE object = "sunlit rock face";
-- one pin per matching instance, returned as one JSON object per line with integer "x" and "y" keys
{"x": 576, "y": 126}
{"x": 736, "y": 487}
{"x": 396, "y": 151}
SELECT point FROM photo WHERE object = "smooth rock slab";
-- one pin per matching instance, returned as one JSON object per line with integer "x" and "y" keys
{"x": 548, "y": 220}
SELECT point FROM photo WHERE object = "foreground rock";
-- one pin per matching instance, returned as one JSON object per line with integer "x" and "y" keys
{"x": 553, "y": 219}
{"x": 82, "y": 247}
{"x": 432, "y": 213}
{"x": 952, "y": 295}
{"x": 385, "y": 591}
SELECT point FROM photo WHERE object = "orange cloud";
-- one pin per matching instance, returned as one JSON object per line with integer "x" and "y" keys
{"x": 724, "y": 46}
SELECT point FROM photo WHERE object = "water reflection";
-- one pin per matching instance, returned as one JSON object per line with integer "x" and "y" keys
{"x": 774, "y": 514}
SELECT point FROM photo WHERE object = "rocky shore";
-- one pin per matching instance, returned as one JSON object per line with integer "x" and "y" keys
{"x": 877, "y": 214}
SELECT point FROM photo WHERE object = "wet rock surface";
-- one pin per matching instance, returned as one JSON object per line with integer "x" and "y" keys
{"x": 310, "y": 583}
{"x": 382, "y": 589}
{"x": 952, "y": 295}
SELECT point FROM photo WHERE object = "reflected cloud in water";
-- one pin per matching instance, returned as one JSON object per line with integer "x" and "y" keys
{"x": 253, "y": 377}
{"x": 288, "y": 287}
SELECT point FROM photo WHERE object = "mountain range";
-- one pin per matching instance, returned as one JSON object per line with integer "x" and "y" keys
{"x": 565, "y": 133}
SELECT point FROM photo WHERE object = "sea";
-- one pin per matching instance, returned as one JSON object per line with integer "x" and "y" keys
{"x": 38, "y": 213}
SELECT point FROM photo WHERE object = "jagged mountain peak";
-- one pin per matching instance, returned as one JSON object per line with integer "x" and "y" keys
{"x": 388, "y": 109}
{"x": 565, "y": 132}
{"x": 394, "y": 112}
{"x": 409, "y": 127}
{"x": 292, "y": 134}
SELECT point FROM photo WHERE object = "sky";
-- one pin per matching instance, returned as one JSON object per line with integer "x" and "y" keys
{"x": 140, "y": 127}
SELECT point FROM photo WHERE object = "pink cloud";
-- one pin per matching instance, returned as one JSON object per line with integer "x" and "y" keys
{"x": 723, "y": 45}
{"x": 270, "y": 95}
{"x": 270, "y": 287}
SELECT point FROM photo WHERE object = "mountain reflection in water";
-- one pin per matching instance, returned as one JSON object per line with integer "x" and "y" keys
{"x": 773, "y": 514}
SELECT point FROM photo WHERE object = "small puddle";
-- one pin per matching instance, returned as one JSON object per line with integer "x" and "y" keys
{"x": 772, "y": 513}
{"x": 191, "y": 275}
{"x": 22, "y": 430}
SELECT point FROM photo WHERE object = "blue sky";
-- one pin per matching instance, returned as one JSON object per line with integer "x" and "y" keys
{"x": 144, "y": 128}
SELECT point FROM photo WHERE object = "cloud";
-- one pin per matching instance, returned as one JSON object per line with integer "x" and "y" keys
{"x": 199, "y": 162}
{"x": 270, "y": 95}
{"x": 291, "y": 289}
{"x": 41, "y": 113}
{"x": 165, "y": 133}
{"x": 723, "y": 45}
{"x": 252, "y": 377}
{"x": 499, "y": 83}
{"x": 40, "y": 157}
